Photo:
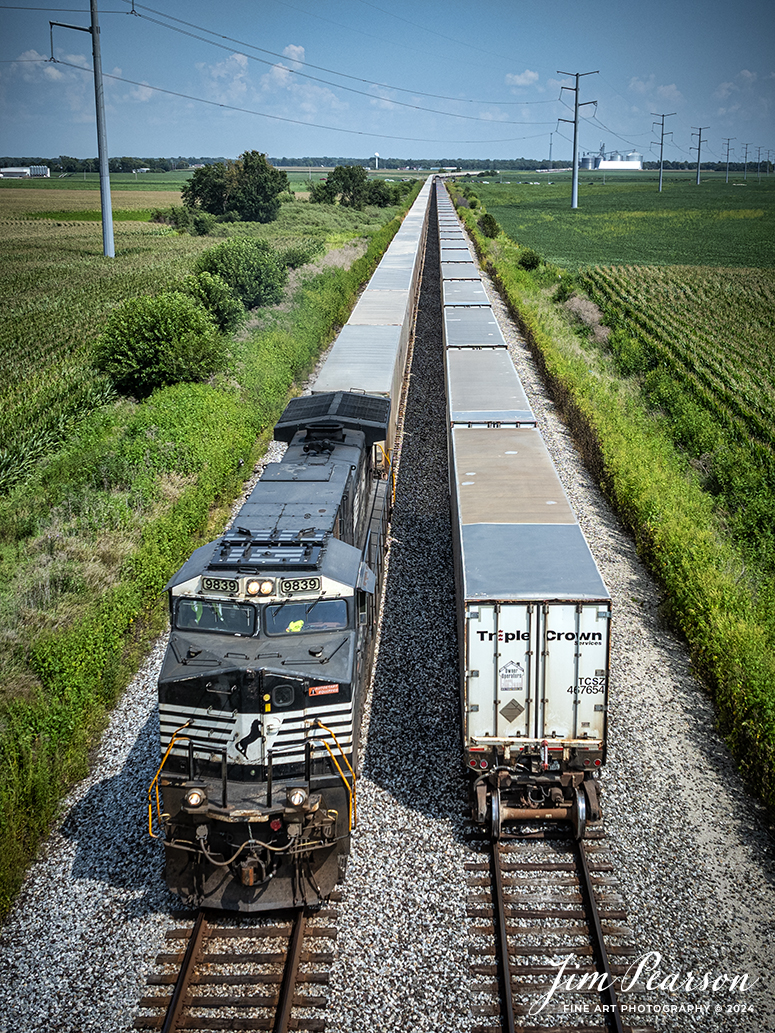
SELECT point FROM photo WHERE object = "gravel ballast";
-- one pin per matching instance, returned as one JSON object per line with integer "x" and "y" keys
{"x": 694, "y": 851}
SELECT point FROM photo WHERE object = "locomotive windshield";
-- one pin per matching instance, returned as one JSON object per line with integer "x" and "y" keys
{"x": 316, "y": 615}
{"x": 230, "y": 618}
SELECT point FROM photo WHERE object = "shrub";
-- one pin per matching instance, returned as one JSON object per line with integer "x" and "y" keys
{"x": 203, "y": 223}
{"x": 250, "y": 267}
{"x": 217, "y": 297}
{"x": 153, "y": 342}
{"x": 175, "y": 215}
{"x": 300, "y": 254}
{"x": 529, "y": 259}
{"x": 489, "y": 226}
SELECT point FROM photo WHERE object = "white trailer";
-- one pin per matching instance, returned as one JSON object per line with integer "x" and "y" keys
{"x": 533, "y": 612}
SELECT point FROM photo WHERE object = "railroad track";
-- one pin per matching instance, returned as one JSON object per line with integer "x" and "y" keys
{"x": 264, "y": 973}
{"x": 541, "y": 901}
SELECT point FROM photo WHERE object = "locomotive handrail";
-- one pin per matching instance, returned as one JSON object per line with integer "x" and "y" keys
{"x": 350, "y": 788}
{"x": 390, "y": 473}
{"x": 155, "y": 783}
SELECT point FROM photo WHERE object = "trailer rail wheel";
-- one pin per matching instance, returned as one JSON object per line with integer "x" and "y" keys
{"x": 495, "y": 814}
{"x": 578, "y": 817}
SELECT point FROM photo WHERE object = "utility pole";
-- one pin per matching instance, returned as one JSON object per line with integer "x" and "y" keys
{"x": 661, "y": 143}
{"x": 759, "y": 166}
{"x": 550, "y": 151}
{"x": 727, "y": 141}
{"x": 745, "y": 162}
{"x": 108, "y": 247}
{"x": 574, "y": 202}
{"x": 699, "y": 146}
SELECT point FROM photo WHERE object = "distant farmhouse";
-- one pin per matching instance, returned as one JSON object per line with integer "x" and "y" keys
{"x": 30, "y": 172}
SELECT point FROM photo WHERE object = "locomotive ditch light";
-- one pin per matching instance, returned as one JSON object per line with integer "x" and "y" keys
{"x": 195, "y": 798}
{"x": 296, "y": 796}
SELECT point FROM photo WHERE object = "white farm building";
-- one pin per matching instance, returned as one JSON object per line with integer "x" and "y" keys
{"x": 27, "y": 172}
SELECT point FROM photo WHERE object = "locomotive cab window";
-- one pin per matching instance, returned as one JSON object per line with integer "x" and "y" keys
{"x": 229, "y": 618}
{"x": 313, "y": 615}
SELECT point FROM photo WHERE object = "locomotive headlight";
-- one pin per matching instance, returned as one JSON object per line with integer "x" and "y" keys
{"x": 296, "y": 797}
{"x": 256, "y": 587}
{"x": 195, "y": 798}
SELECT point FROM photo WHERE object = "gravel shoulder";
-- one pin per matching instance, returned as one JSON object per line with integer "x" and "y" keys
{"x": 694, "y": 850}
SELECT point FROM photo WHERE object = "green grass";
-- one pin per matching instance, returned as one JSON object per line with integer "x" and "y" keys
{"x": 123, "y": 181}
{"x": 90, "y": 215}
{"x": 627, "y": 221}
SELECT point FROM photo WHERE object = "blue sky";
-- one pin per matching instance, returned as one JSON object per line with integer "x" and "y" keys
{"x": 355, "y": 77}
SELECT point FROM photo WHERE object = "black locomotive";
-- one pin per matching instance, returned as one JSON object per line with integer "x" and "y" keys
{"x": 262, "y": 685}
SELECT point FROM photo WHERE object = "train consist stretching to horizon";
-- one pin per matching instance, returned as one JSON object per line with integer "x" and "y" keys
{"x": 273, "y": 629}
{"x": 533, "y": 611}
{"x": 273, "y": 626}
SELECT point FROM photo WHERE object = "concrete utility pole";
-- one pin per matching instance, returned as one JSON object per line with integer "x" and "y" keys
{"x": 662, "y": 143}
{"x": 745, "y": 162}
{"x": 574, "y": 203}
{"x": 698, "y": 134}
{"x": 551, "y": 135}
{"x": 108, "y": 247}
{"x": 727, "y": 141}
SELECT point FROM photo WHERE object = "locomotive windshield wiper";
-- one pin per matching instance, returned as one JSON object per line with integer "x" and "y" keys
{"x": 314, "y": 603}
{"x": 316, "y": 660}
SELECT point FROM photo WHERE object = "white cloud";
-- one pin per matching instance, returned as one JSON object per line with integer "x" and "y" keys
{"x": 141, "y": 93}
{"x": 641, "y": 86}
{"x": 526, "y": 78}
{"x": 304, "y": 98}
{"x": 494, "y": 116}
{"x": 228, "y": 81}
{"x": 670, "y": 93}
{"x": 296, "y": 55}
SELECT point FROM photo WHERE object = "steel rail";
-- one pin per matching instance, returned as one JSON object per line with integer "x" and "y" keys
{"x": 193, "y": 950}
{"x": 290, "y": 974}
{"x": 499, "y": 918}
{"x": 613, "y": 1018}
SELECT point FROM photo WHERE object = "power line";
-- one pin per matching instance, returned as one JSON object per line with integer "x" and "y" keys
{"x": 319, "y": 68}
{"x": 295, "y": 121}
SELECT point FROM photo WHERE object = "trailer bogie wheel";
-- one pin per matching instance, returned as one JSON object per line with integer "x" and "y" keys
{"x": 578, "y": 816}
{"x": 495, "y": 814}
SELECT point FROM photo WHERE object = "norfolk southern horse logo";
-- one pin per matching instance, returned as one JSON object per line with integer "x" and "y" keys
{"x": 253, "y": 735}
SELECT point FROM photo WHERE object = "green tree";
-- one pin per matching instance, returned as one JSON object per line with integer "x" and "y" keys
{"x": 349, "y": 181}
{"x": 249, "y": 186}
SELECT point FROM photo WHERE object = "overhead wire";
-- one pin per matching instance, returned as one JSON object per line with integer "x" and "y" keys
{"x": 319, "y": 68}
{"x": 281, "y": 118}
